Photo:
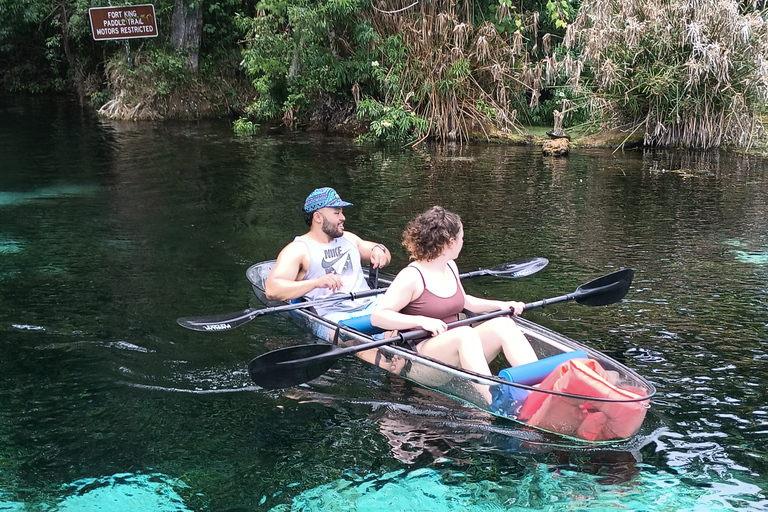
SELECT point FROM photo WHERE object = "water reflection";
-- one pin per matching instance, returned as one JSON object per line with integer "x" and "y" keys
{"x": 423, "y": 427}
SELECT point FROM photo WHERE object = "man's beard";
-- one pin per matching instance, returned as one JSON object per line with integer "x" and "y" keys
{"x": 332, "y": 230}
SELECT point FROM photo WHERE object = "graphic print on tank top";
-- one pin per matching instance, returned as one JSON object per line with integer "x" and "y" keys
{"x": 337, "y": 261}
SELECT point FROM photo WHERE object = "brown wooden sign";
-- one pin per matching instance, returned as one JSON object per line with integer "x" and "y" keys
{"x": 123, "y": 22}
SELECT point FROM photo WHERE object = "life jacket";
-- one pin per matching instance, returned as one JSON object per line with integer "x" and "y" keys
{"x": 586, "y": 419}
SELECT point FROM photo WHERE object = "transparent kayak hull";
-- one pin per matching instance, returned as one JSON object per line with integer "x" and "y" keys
{"x": 573, "y": 390}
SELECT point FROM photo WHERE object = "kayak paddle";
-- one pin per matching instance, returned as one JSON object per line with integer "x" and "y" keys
{"x": 228, "y": 321}
{"x": 291, "y": 366}
{"x": 515, "y": 269}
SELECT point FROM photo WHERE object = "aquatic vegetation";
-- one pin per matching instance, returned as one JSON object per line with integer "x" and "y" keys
{"x": 757, "y": 258}
{"x": 9, "y": 246}
{"x": 126, "y": 492}
{"x": 15, "y": 198}
{"x": 244, "y": 127}
{"x": 744, "y": 254}
{"x": 541, "y": 489}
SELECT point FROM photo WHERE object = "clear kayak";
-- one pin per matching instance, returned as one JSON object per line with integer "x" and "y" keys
{"x": 572, "y": 390}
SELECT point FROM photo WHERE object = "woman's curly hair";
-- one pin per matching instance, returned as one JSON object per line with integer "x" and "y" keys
{"x": 426, "y": 236}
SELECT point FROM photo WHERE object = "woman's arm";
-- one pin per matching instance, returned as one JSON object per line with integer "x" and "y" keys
{"x": 478, "y": 305}
{"x": 405, "y": 288}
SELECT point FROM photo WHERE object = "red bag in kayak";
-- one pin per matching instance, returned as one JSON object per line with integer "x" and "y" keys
{"x": 586, "y": 419}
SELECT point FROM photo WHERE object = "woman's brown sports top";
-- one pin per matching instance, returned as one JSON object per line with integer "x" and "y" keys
{"x": 430, "y": 305}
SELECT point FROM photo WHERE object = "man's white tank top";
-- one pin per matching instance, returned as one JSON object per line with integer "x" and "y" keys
{"x": 342, "y": 258}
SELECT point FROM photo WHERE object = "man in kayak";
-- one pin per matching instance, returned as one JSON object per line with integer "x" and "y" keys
{"x": 326, "y": 260}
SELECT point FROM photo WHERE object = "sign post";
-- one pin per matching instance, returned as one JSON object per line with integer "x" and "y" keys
{"x": 123, "y": 23}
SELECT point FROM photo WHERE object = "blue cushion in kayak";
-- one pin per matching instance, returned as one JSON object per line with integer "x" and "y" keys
{"x": 362, "y": 324}
{"x": 535, "y": 372}
{"x": 507, "y": 400}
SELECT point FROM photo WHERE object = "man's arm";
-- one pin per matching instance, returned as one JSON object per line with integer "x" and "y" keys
{"x": 283, "y": 281}
{"x": 370, "y": 252}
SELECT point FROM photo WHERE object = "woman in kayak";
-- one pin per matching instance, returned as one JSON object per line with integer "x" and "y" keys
{"x": 427, "y": 294}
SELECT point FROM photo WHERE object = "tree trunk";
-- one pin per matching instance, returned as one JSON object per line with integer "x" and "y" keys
{"x": 187, "y": 29}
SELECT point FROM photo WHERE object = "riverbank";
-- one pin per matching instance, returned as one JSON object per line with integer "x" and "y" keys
{"x": 228, "y": 97}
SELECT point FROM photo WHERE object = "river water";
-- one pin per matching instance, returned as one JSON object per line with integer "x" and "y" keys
{"x": 109, "y": 231}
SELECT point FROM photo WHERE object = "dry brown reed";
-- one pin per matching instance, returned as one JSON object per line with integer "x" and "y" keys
{"x": 693, "y": 73}
{"x": 459, "y": 76}
{"x": 133, "y": 101}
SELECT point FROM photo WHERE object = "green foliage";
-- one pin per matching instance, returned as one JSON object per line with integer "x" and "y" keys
{"x": 505, "y": 17}
{"x": 25, "y": 29}
{"x": 47, "y": 44}
{"x": 489, "y": 112}
{"x": 509, "y": 16}
{"x": 397, "y": 124}
{"x": 99, "y": 98}
{"x": 299, "y": 49}
{"x": 169, "y": 69}
{"x": 689, "y": 72}
{"x": 220, "y": 33}
{"x": 244, "y": 127}
{"x": 559, "y": 14}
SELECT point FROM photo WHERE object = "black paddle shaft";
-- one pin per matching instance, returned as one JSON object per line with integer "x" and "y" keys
{"x": 291, "y": 366}
{"x": 229, "y": 321}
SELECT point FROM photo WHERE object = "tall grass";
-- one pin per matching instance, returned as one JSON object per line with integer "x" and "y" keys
{"x": 459, "y": 76}
{"x": 690, "y": 73}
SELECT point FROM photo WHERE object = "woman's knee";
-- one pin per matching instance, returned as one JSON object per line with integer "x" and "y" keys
{"x": 465, "y": 334}
{"x": 470, "y": 339}
{"x": 502, "y": 322}
{"x": 501, "y": 326}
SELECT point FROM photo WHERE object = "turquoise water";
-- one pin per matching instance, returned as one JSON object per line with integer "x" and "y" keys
{"x": 109, "y": 231}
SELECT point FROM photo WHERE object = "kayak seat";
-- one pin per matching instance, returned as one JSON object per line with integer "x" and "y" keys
{"x": 362, "y": 324}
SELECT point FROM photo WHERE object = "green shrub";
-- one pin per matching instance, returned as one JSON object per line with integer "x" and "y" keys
{"x": 391, "y": 124}
{"x": 244, "y": 127}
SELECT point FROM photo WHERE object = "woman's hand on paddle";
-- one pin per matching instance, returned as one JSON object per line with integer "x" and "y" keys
{"x": 433, "y": 325}
{"x": 516, "y": 307}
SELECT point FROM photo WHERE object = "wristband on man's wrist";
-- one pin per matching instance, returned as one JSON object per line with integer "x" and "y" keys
{"x": 380, "y": 246}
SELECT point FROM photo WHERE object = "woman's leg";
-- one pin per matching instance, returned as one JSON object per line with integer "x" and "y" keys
{"x": 459, "y": 347}
{"x": 503, "y": 334}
